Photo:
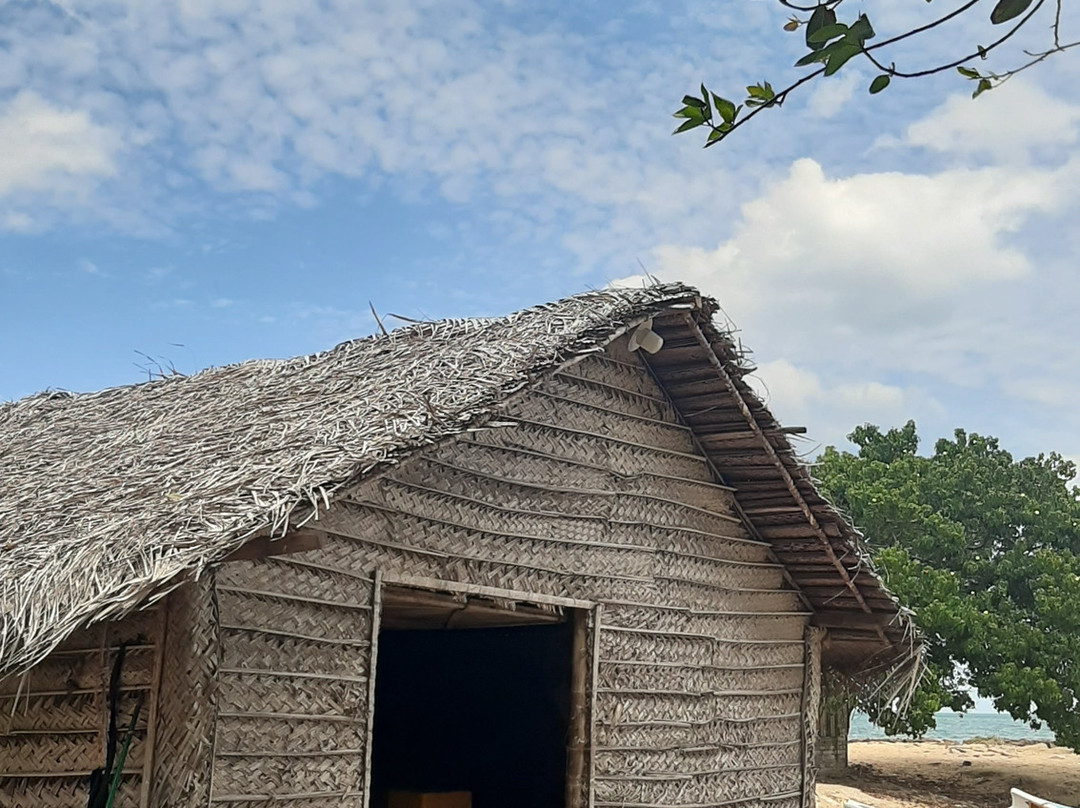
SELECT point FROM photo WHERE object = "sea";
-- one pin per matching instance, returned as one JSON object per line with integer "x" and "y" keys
{"x": 959, "y": 727}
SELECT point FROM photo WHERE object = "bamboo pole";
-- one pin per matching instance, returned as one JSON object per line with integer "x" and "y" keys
{"x": 493, "y": 592}
{"x": 151, "y": 713}
{"x": 326, "y": 677}
{"x": 590, "y": 492}
{"x": 494, "y": 506}
{"x": 376, "y": 619}
{"x": 292, "y": 635}
{"x": 581, "y": 464}
{"x": 279, "y": 595}
{"x": 675, "y": 426}
{"x": 597, "y": 624}
{"x": 578, "y": 730}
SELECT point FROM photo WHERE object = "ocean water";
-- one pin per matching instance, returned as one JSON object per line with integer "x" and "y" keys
{"x": 956, "y": 727}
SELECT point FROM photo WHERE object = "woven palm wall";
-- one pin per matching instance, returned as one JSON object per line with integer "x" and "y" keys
{"x": 597, "y": 493}
{"x": 292, "y": 686}
{"x": 53, "y": 719}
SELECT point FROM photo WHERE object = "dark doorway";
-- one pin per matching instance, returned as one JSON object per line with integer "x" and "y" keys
{"x": 478, "y": 709}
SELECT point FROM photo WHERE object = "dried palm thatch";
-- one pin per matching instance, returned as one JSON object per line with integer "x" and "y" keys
{"x": 109, "y": 499}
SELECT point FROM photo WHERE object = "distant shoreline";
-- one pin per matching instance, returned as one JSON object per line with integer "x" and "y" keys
{"x": 958, "y": 727}
{"x": 988, "y": 740}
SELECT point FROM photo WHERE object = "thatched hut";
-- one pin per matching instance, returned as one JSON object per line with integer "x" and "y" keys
{"x": 564, "y": 557}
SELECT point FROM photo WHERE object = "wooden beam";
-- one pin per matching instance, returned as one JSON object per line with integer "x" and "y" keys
{"x": 578, "y": 736}
{"x": 373, "y": 669}
{"x": 830, "y": 529}
{"x": 751, "y": 528}
{"x": 850, "y": 619}
{"x": 298, "y": 541}
{"x": 785, "y": 474}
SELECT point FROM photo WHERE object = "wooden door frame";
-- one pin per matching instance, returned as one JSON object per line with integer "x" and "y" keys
{"x": 585, "y": 621}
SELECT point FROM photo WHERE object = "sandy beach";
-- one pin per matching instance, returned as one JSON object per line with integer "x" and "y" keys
{"x": 943, "y": 774}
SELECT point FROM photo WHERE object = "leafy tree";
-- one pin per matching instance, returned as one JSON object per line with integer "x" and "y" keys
{"x": 831, "y": 43}
{"x": 986, "y": 550}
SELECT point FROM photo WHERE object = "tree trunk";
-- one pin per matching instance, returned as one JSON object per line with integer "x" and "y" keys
{"x": 837, "y": 705}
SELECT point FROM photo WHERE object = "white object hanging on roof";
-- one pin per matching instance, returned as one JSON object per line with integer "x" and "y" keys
{"x": 646, "y": 339}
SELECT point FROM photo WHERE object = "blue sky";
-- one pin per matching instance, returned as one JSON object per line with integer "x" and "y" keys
{"x": 206, "y": 181}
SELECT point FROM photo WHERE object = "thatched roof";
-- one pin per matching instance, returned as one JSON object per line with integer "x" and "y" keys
{"x": 109, "y": 498}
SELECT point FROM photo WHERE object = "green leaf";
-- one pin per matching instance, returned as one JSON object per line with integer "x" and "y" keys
{"x": 982, "y": 51}
{"x": 823, "y": 35}
{"x": 718, "y": 103}
{"x": 879, "y": 84}
{"x": 690, "y": 101}
{"x": 822, "y": 16}
{"x": 839, "y": 57}
{"x": 810, "y": 58}
{"x": 687, "y": 125}
{"x": 826, "y": 53}
{"x": 968, "y": 72}
{"x": 705, "y": 98}
{"x": 714, "y": 136}
{"x": 691, "y": 114}
{"x": 1007, "y": 10}
{"x": 726, "y": 108}
{"x": 762, "y": 92}
{"x": 860, "y": 31}
{"x": 984, "y": 85}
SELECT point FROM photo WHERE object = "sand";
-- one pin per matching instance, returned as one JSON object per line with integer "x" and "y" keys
{"x": 942, "y": 774}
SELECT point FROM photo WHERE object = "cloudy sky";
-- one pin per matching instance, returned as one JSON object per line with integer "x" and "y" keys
{"x": 206, "y": 181}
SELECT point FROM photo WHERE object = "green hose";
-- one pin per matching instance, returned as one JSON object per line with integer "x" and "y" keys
{"x": 114, "y": 786}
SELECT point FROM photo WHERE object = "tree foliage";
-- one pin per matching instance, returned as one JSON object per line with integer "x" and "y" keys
{"x": 986, "y": 550}
{"x": 832, "y": 42}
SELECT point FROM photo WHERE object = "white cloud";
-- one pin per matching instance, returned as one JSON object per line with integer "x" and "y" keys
{"x": 257, "y": 103}
{"x": 1007, "y": 124}
{"x": 859, "y": 293}
{"x": 800, "y": 395}
{"x": 831, "y": 95}
{"x": 17, "y": 221}
{"x": 872, "y": 248}
{"x": 89, "y": 267}
{"x": 52, "y": 150}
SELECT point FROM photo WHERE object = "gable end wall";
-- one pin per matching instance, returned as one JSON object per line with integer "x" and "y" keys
{"x": 597, "y": 494}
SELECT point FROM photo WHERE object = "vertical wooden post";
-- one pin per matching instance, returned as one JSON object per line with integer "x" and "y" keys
{"x": 373, "y": 659}
{"x": 578, "y": 736}
{"x": 811, "y": 710}
{"x": 152, "y": 708}
{"x": 594, "y": 684}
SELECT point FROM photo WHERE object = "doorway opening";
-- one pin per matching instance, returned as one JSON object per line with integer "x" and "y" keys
{"x": 480, "y": 695}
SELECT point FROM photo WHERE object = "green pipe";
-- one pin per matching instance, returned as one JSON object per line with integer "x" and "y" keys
{"x": 114, "y": 786}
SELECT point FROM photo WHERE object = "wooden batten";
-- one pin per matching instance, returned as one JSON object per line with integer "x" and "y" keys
{"x": 300, "y": 540}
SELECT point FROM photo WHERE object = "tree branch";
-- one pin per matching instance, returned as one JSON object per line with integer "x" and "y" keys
{"x": 892, "y": 71}
{"x": 837, "y": 43}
